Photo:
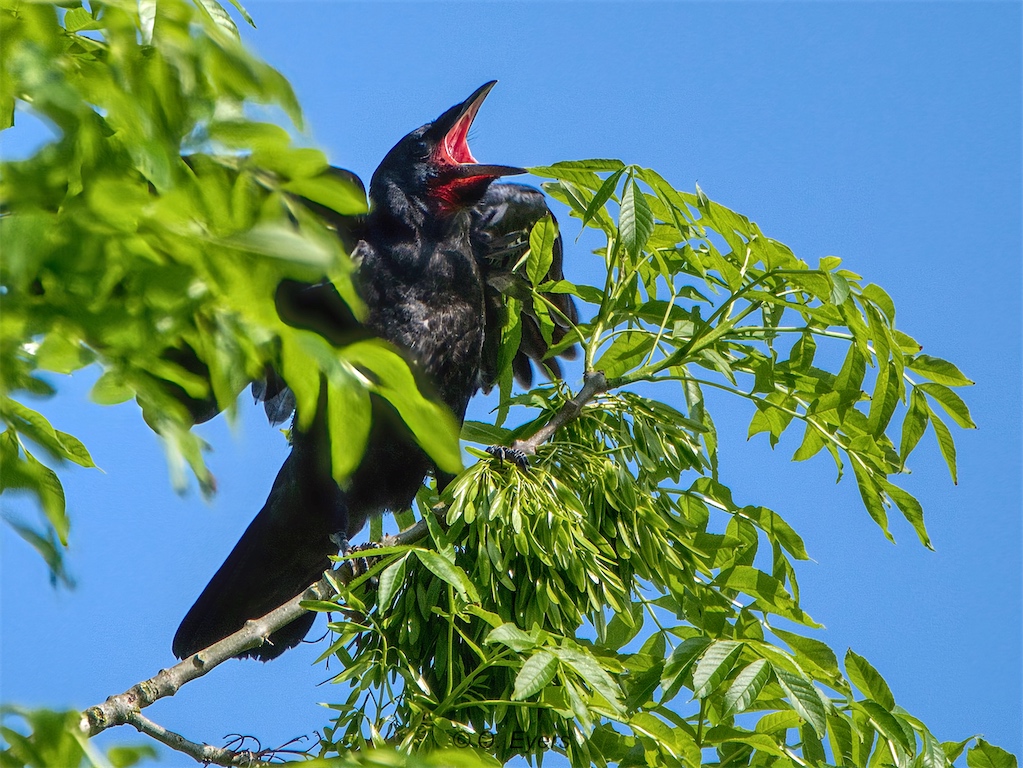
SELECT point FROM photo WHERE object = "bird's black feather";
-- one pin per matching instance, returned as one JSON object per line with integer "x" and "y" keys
{"x": 438, "y": 238}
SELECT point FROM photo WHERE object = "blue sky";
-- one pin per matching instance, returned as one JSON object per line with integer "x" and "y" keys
{"x": 887, "y": 134}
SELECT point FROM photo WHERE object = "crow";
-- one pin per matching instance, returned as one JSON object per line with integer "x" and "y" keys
{"x": 435, "y": 255}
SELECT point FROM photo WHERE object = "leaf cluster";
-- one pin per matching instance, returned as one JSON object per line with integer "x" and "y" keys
{"x": 55, "y": 740}
{"x": 614, "y": 602}
{"x": 151, "y": 235}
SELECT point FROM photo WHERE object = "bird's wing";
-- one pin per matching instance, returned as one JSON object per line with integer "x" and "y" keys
{"x": 501, "y": 225}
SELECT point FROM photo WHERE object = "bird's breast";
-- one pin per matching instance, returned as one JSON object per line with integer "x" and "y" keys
{"x": 434, "y": 311}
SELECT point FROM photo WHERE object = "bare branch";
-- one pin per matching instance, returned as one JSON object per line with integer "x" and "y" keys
{"x": 594, "y": 383}
{"x": 202, "y": 753}
{"x": 124, "y": 707}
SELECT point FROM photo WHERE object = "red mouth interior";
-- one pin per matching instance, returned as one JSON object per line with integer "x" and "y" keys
{"x": 455, "y": 147}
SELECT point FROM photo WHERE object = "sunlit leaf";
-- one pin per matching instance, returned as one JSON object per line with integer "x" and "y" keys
{"x": 950, "y": 402}
{"x": 985, "y": 755}
{"x": 938, "y": 370}
{"x": 714, "y": 666}
{"x": 447, "y": 571}
{"x": 536, "y": 672}
{"x": 747, "y": 686}
{"x": 863, "y": 675}
{"x": 946, "y": 444}
{"x": 635, "y": 219}
{"x": 804, "y": 699}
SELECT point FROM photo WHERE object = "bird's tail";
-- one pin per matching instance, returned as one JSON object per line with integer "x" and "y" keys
{"x": 284, "y": 550}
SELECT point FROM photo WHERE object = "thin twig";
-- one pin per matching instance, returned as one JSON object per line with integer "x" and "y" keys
{"x": 203, "y": 753}
{"x": 594, "y": 383}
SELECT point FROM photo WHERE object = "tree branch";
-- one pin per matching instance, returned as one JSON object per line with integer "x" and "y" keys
{"x": 124, "y": 707}
{"x": 202, "y": 753}
{"x": 594, "y": 383}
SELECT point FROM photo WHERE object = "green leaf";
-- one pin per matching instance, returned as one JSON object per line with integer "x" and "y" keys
{"x": 681, "y": 659}
{"x": 950, "y": 401}
{"x": 726, "y": 739}
{"x": 350, "y": 415}
{"x": 36, "y": 427}
{"x": 635, "y": 219}
{"x": 769, "y": 593}
{"x": 868, "y": 680}
{"x": 887, "y": 724}
{"x": 587, "y": 293}
{"x": 624, "y": 626}
{"x": 870, "y": 493}
{"x": 391, "y": 580}
{"x": 513, "y": 637}
{"x": 127, "y": 756}
{"x": 595, "y": 676}
{"x": 535, "y": 674}
{"x": 910, "y": 509}
{"x": 777, "y": 529}
{"x": 249, "y": 134}
{"x": 953, "y": 749}
{"x": 433, "y": 426}
{"x": 626, "y": 352}
{"x": 714, "y": 667}
{"x": 541, "y": 249}
{"x": 55, "y": 740}
{"x": 79, "y": 19}
{"x": 914, "y": 424}
{"x": 810, "y": 649}
{"x": 877, "y": 295}
{"x": 813, "y": 282}
{"x": 29, "y": 474}
{"x": 46, "y": 544}
{"x": 330, "y": 191}
{"x": 570, "y": 169}
{"x": 803, "y": 697}
{"x": 448, "y": 572}
{"x": 244, "y": 13}
{"x": 938, "y": 370}
{"x": 61, "y": 354}
{"x": 840, "y": 737}
{"x": 985, "y": 755}
{"x": 854, "y": 368}
{"x": 812, "y": 443}
{"x": 884, "y": 399}
{"x": 747, "y": 686}
{"x": 220, "y": 17}
{"x": 110, "y": 389}
{"x": 931, "y": 754}
{"x": 602, "y": 195}
{"x": 946, "y": 444}
{"x": 483, "y": 433}
{"x": 282, "y": 242}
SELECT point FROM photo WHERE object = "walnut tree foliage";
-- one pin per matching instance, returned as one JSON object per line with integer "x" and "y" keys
{"x": 613, "y": 602}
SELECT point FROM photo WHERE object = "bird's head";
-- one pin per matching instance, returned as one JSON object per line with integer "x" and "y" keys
{"x": 433, "y": 167}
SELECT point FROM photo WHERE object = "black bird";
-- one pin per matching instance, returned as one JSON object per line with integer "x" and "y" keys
{"x": 435, "y": 253}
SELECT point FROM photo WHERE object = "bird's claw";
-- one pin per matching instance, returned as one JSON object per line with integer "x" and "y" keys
{"x": 360, "y": 565}
{"x": 513, "y": 455}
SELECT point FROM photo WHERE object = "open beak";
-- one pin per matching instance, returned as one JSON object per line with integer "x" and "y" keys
{"x": 453, "y": 149}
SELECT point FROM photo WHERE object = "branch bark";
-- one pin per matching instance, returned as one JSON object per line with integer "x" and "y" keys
{"x": 123, "y": 707}
{"x": 203, "y": 753}
{"x": 594, "y": 383}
